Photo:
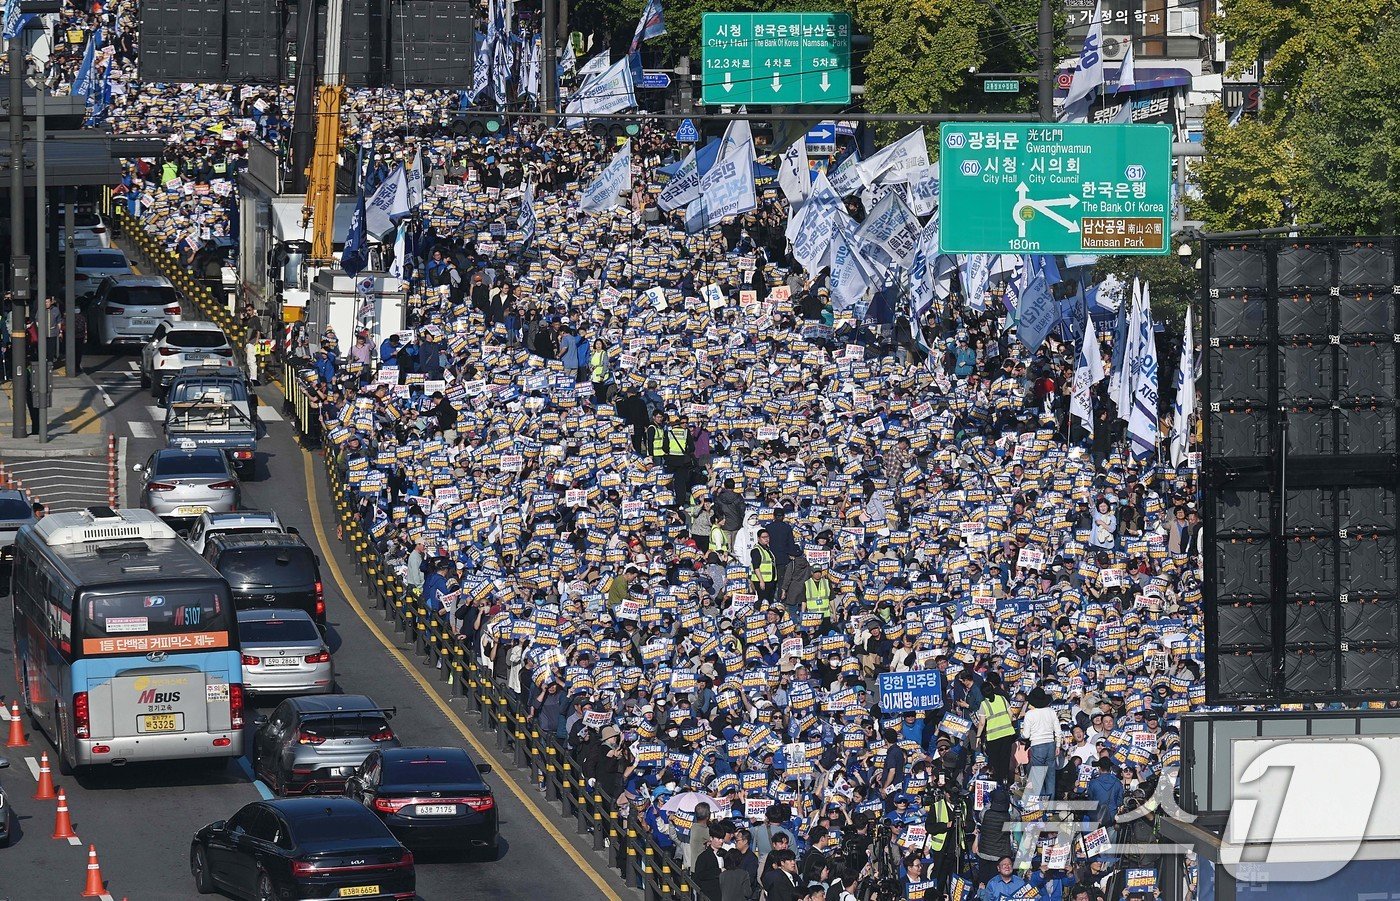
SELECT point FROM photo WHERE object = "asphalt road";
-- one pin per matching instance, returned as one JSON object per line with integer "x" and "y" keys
{"x": 141, "y": 817}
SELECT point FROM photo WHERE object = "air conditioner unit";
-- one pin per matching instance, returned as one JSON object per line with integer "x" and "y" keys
{"x": 1115, "y": 46}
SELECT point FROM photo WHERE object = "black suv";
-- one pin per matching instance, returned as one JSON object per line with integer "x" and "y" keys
{"x": 269, "y": 571}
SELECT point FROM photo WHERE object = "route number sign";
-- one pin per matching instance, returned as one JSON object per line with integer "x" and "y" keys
{"x": 776, "y": 58}
{"x": 1055, "y": 188}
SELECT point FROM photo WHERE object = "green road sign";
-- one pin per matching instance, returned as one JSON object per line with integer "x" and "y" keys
{"x": 776, "y": 58}
{"x": 1054, "y": 188}
{"x": 1002, "y": 86}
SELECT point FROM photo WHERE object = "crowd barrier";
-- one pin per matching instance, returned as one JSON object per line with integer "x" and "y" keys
{"x": 152, "y": 253}
{"x": 630, "y": 848}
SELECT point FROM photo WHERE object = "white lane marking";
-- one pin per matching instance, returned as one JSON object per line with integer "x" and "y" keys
{"x": 33, "y": 767}
{"x": 4, "y": 713}
{"x": 142, "y": 429}
{"x": 106, "y": 399}
{"x": 133, "y": 365}
{"x": 268, "y": 414}
{"x": 247, "y": 769}
{"x": 77, "y": 841}
{"x": 157, "y": 413}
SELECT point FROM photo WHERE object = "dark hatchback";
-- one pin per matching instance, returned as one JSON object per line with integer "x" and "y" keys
{"x": 301, "y": 848}
{"x": 430, "y": 798}
{"x": 266, "y": 571}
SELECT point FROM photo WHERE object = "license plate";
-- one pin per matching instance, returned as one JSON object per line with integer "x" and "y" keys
{"x": 195, "y": 358}
{"x": 280, "y": 661}
{"x": 141, "y": 320}
{"x": 359, "y": 891}
{"x": 437, "y": 810}
{"x": 161, "y": 722}
{"x": 191, "y": 510}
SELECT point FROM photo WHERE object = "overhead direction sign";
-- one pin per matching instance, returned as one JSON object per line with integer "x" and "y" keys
{"x": 776, "y": 58}
{"x": 654, "y": 80}
{"x": 1063, "y": 188}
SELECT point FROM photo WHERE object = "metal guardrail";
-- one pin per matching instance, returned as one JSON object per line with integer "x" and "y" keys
{"x": 153, "y": 254}
{"x": 632, "y": 851}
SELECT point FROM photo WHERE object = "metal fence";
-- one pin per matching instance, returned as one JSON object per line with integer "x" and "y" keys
{"x": 630, "y": 848}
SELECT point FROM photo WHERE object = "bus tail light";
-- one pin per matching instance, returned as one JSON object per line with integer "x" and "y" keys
{"x": 235, "y": 705}
{"x": 82, "y": 718}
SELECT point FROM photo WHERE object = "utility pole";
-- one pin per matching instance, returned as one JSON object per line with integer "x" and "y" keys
{"x": 70, "y": 299}
{"x": 41, "y": 266}
{"x": 549, "y": 90}
{"x": 1045, "y": 40}
{"x": 19, "y": 263}
{"x": 304, "y": 104}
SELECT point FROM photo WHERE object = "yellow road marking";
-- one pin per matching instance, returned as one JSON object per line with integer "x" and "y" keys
{"x": 499, "y": 771}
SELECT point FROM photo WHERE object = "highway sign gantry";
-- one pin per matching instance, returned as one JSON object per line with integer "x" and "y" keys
{"x": 776, "y": 58}
{"x": 1061, "y": 188}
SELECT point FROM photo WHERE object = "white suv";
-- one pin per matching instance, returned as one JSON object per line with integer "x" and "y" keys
{"x": 128, "y": 308}
{"x": 180, "y": 345}
{"x": 246, "y": 522}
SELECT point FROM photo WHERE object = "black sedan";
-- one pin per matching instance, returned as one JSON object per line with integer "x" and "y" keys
{"x": 430, "y": 798}
{"x": 301, "y": 848}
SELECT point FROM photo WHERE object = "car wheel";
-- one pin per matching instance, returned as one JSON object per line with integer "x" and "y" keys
{"x": 199, "y": 868}
{"x": 265, "y": 890}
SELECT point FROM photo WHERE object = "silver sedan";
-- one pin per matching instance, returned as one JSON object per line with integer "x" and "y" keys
{"x": 284, "y": 653}
{"x": 181, "y": 484}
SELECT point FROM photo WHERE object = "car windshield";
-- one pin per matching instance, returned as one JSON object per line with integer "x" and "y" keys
{"x": 350, "y": 725}
{"x": 286, "y": 631}
{"x": 431, "y": 771}
{"x": 338, "y": 827}
{"x": 85, "y": 220}
{"x": 270, "y": 566}
{"x": 106, "y": 259}
{"x": 142, "y": 296}
{"x": 190, "y": 465}
{"x": 195, "y": 338}
{"x": 13, "y": 508}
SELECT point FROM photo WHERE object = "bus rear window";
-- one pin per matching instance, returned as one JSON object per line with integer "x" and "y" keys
{"x": 177, "y": 619}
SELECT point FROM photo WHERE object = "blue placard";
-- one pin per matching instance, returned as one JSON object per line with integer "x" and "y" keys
{"x": 687, "y": 133}
{"x": 916, "y": 690}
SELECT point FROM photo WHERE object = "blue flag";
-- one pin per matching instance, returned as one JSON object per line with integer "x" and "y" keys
{"x": 652, "y": 24}
{"x": 82, "y": 83}
{"x": 1038, "y": 312}
{"x": 355, "y": 257}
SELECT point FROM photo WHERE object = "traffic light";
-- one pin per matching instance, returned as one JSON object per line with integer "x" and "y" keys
{"x": 467, "y": 123}
{"x": 616, "y": 129}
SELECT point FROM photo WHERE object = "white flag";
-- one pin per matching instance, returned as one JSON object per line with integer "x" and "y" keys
{"x": 795, "y": 175}
{"x": 683, "y": 187}
{"x": 389, "y": 203}
{"x": 1120, "y": 383}
{"x": 398, "y": 269}
{"x": 1089, "y": 77}
{"x": 605, "y": 93}
{"x": 725, "y": 190}
{"x": 1143, "y": 418}
{"x": 976, "y": 272}
{"x": 607, "y": 191}
{"x": 889, "y": 235}
{"x": 845, "y": 179}
{"x": 527, "y": 220}
{"x": 850, "y": 277}
{"x": 922, "y": 275}
{"x": 810, "y": 229}
{"x": 738, "y": 138}
{"x": 1185, "y": 397}
{"x": 893, "y": 164}
{"x": 595, "y": 66}
{"x": 1088, "y": 372}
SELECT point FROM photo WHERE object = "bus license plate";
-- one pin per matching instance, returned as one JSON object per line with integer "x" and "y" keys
{"x": 162, "y": 722}
{"x": 358, "y": 891}
{"x": 437, "y": 810}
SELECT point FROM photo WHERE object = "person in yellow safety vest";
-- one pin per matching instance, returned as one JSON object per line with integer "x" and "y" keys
{"x": 998, "y": 730}
{"x": 600, "y": 371}
{"x": 939, "y": 826}
{"x": 818, "y": 596}
{"x": 764, "y": 567}
{"x": 666, "y": 442}
{"x": 719, "y": 539}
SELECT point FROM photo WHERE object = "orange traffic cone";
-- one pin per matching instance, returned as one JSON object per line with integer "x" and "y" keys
{"x": 95, "y": 887}
{"x": 45, "y": 790}
{"x": 62, "y": 821}
{"x": 16, "y": 739}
